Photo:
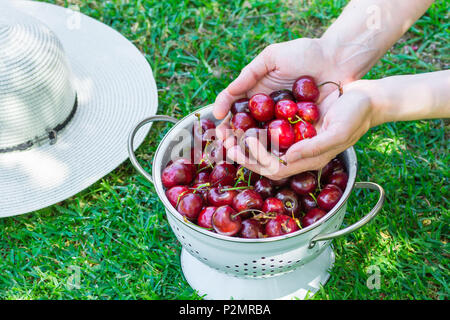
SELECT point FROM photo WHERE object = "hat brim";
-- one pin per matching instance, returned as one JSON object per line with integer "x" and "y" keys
{"x": 115, "y": 89}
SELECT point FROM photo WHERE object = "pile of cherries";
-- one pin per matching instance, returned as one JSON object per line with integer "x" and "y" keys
{"x": 215, "y": 193}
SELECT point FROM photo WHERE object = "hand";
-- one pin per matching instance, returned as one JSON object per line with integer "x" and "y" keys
{"x": 343, "y": 121}
{"x": 275, "y": 68}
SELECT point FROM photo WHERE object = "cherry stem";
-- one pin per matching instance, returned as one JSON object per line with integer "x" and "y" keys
{"x": 280, "y": 160}
{"x": 312, "y": 196}
{"x": 298, "y": 119}
{"x": 319, "y": 175}
{"x": 207, "y": 184}
{"x": 236, "y": 188}
{"x": 339, "y": 85}
{"x": 179, "y": 197}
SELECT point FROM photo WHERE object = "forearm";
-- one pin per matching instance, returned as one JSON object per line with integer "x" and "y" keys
{"x": 408, "y": 97}
{"x": 365, "y": 30}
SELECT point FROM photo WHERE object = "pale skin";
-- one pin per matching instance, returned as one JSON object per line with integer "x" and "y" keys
{"x": 361, "y": 35}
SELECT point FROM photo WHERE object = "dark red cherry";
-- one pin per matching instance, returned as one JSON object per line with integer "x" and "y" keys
{"x": 281, "y": 133}
{"x": 226, "y": 221}
{"x": 285, "y": 109}
{"x": 247, "y": 199}
{"x": 304, "y": 183}
{"x": 304, "y": 130}
{"x": 273, "y": 205}
{"x": 202, "y": 190}
{"x": 339, "y": 179}
{"x": 307, "y": 202}
{"x": 245, "y": 174}
{"x": 216, "y": 151}
{"x": 204, "y": 218}
{"x": 262, "y": 107}
{"x": 174, "y": 193}
{"x": 188, "y": 163}
{"x": 204, "y": 130}
{"x": 329, "y": 197}
{"x": 282, "y": 95}
{"x": 176, "y": 174}
{"x": 264, "y": 187}
{"x": 251, "y": 229}
{"x": 280, "y": 183}
{"x": 201, "y": 178}
{"x": 221, "y": 196}
{"x": 305, "y": 89}
{"x": 190, "y": 205}
{"x": 241, "y": 122}
{"x": 280, "y": 225}
{"x": 308, "y": 111}
{"x": 334, "y": 165}
{"x": 290, "y": 201}
{"x": 223, "y": 174}
{"x": 312, "y": 216}
{"x": 240, "y": 105}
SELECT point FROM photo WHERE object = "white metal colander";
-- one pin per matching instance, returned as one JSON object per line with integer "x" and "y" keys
{"x": 223, "y": 267}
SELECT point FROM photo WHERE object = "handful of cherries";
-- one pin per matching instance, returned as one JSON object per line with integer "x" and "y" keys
{"x": 231, "y": 200}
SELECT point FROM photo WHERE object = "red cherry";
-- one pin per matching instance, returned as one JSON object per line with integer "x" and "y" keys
{"x": 334, "y": 165}
{"x": 312, "y": 216}
{"x": 264, "y": 187}
{"x": 290, "y": 201}
{"x": 329, "y": 197}
{"x": 247, "y": 199}
{"x": 188, "y": 163}
{"x": 175, "y": 174}
{"x": 202, "y": 190}
{"x": 304, "y": 130}
{"x": 220, "y": 196}
{"x": 204, "y": 218}
{"x": 280, "y": 225}
{"x": 174, "y": 193}
{"x": 285, "y": 109}
{"x": 308, "y": 202}
{"x": 246, "y": 174}
{"x": 305, "y": 89}
{"x": 240, "y": 105}
{"x": 304, "y": 183}
{"x": 339, "y": 179}
{"x": 223, "y": 174}
{"x": 262, "y": 107}
{"x": 308, "y": 111}
{"x": 280, "y": 183}
{"x": 282, "y": 95}
{"x": 281, "y": 133}
{"x": 201, "y": 131}
{"x": 273, "y": 205}
{"x": 251, "y": 229}
{"x": 190, "y": 205}
{"x": 241, "y": 122}
{"x": 201, "y": 178}
{"x": 226, "y": 221}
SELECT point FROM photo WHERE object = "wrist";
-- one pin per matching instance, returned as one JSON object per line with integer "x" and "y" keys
{"x": 368, "y": 90}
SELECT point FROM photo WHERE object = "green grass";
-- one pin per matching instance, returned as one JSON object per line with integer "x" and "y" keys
{"x": 115, "y": 235}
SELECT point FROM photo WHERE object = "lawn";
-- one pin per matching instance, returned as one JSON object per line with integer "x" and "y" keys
{"x": 113, "y": 240}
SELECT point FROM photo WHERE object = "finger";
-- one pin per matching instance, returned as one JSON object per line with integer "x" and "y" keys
{"x": 223, "y": 103}
{"x": 235, "y": 153}
{"x": 260, "y": 153}
{"x": 325, "y": 141}
{"x": 252, "y": 73}
{"x": 223, "y": 129}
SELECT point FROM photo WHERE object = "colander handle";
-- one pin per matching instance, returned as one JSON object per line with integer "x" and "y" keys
{"x": 133, "y": 133}
{"x": 360, "y": 223}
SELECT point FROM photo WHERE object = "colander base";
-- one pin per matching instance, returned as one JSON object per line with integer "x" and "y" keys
{"x": 297, "y": 284}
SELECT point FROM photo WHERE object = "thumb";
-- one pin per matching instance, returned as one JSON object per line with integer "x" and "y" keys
{"x": 325, "y": 141}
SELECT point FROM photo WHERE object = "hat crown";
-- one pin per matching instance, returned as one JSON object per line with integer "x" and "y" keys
{"x": 36, "y": 91}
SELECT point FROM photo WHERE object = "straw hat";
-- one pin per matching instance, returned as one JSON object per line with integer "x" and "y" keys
{"x": 71, "y": 89}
